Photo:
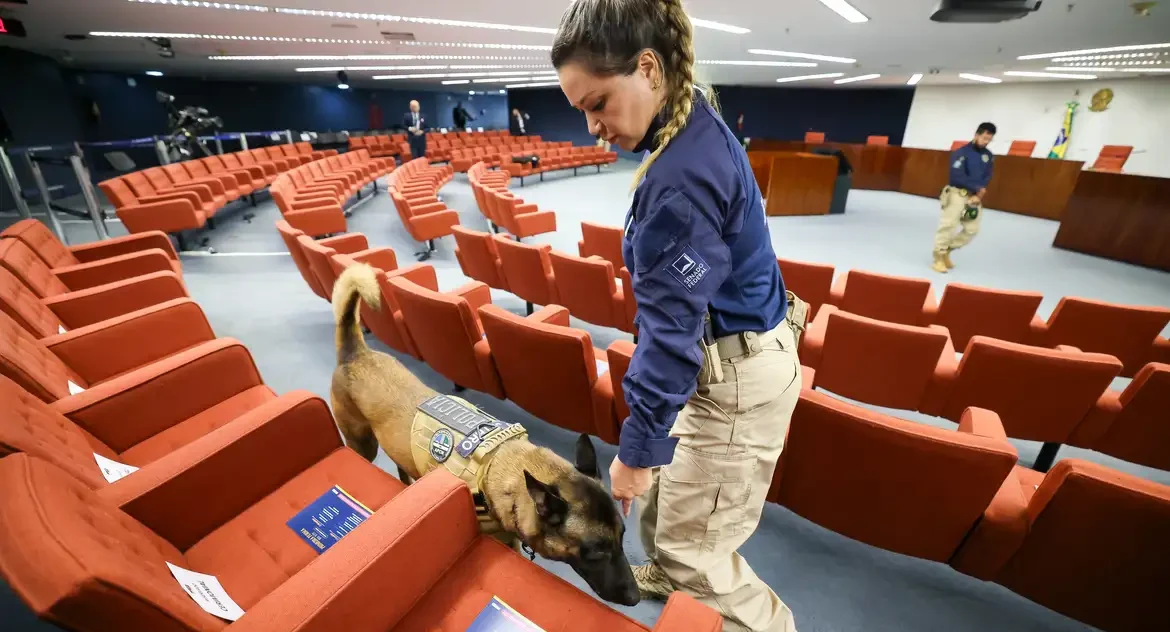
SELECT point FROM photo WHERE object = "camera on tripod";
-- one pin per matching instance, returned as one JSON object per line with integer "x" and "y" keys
{"x": 184, "y": 125}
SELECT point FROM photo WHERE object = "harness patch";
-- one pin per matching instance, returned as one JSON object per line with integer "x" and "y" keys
{"x": 688, "y": 269}
{"x": 441, "y": 443}
{"x": 475, "y": 426}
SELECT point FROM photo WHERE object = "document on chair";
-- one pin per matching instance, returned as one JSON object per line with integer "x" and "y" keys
{"x": 74, "y": 389}
{"x": 329, "y": 518}
{"x": 498, "y": 616}
{"x": 207, "y": 593}
{"x": 112, "y": 469}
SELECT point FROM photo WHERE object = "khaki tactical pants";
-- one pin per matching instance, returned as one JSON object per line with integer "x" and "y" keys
{"x": 706, "y": 503}
{"x": 954, "y": 203}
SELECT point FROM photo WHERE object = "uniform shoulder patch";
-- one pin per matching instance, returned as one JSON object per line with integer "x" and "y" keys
{"x": 442, "y": 442}
{"x": 958, "y": 163}
{"x": 688, "y": 268}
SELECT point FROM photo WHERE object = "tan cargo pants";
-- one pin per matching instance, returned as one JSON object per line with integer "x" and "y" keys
{"x": 954, "y": 202}
{"x": 706, "y": 503}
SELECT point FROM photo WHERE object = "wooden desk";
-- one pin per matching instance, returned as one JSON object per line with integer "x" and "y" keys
{"x": 800, "y": 184}
{"x": 1032, "y": 186}
{"x": 924, "y": 171}
{"x": 1120, "y": 217}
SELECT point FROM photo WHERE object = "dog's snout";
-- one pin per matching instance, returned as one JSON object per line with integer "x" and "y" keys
{"x": 629, "y": 596}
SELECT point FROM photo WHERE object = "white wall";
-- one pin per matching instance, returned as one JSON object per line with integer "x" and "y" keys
{"x": 1139, "y": 116}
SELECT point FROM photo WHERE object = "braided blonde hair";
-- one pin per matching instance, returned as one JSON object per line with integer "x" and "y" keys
{"x": 609, "y": 37}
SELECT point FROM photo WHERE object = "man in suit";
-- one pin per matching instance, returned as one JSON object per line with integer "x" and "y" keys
{"x": 519, "y": 123}
{"x": 416, "y": 127}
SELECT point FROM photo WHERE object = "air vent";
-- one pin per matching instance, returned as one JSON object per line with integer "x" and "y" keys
{"x": 397, "y": 36}
{"x": 340, "y": 25}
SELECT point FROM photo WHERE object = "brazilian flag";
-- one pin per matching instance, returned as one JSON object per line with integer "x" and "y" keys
{"x": 1061, "y": 145}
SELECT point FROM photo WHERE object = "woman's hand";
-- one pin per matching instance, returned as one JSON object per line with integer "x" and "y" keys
{"x": 627, "y": 483}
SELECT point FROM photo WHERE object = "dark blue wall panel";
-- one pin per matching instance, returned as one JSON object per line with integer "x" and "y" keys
{"x": 844, "y": 115}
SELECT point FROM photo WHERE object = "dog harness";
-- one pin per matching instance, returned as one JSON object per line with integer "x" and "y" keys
{"x": 451, "y": 433}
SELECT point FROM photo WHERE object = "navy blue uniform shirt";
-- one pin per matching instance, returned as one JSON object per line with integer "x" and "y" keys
{"x": 696, "y": 240}
{"x": 971, "y": 167}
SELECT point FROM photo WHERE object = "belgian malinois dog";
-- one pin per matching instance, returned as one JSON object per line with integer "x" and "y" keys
{"x": 562, "y": 512}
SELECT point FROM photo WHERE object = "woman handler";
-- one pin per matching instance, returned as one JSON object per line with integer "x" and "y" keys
{"x": 714, "y": 380}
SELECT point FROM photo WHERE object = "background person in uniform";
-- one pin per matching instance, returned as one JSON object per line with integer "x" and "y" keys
{"x": 461, "y": 116}
{"x": 416, "y": 128}
{"x": 518, "y": 123}
{"x": 701, "y": 443}
{"x": 962, "y": 199}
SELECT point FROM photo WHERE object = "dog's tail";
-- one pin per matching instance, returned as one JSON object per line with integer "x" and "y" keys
{"x": 357, "y": 282}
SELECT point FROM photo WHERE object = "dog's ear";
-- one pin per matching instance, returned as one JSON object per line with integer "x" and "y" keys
{"x": 551, "y": 508}
{"x": 587, "y": 457}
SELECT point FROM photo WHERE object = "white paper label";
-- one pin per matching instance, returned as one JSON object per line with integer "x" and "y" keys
{"x": 113, "y": 470}
{"x": 61, "y": 329}
{"x": 207, "y": 592}
{"x": 75, "y": 389}
{"x": 602, "y": 367}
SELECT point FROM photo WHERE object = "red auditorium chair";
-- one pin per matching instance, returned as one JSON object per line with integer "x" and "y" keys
{"x": 814, "y": 137}
{"x": 877, "y": 140}
{"x": 289, "y": 235}
{"x": 314, "y": 216}
{"x": 1131, "y": 424}
{"x": 619, "y": 355}
{"x": 154, "y": 181}
{"x": 1112, "y": 158}
{"x": 894, "y": 299}
{"x": 171, "y": 212}
{"x": 874, "y": 361}
{"x": 1085, "y": 540}
{"x": 549, "y": 369}
{"x": 46, "y": 282}
{"x": 1127, "y": 332}
{"x": 257, "y": 158}
{"x": 1039, "y": 394}
{"x": 291, "y": 153}
{"x": 386, "y": 322}
{"x": 137, "y": 418}
{"x": 587, "y": 287}
{"x": 478, "y": 257}
{"x": 276, "y": 154}
{"x": 66, "y": 364}
{"x": 318, "y": 253}
{"x": 967, "y": 310}
{"x": 262, "y": 155}
{"x": 902, "y": 486}
{"x": 306, "y": 149}
{"x": 44, "y": 318}
{"x": 603, "y": 241}
{"x": 812, "y": 282}
{"x": 56, "y": 254}
{"x": 445, "y": 328}
{"x": 528, "y": 271}
{"x": 181, "y": 177}
{"x": 203, "y": 169}
{"x": 232, "y": 162}
{"x": 959, "y": 143}
{"x": 1022, "y": 148}
{"x": 520, "y": 219}
{"x": 425, "y": 226}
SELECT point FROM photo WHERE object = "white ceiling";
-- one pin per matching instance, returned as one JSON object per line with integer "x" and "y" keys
{"x": 898, "y": 40}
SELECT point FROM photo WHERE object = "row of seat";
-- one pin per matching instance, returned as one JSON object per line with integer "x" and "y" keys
{"x": 381, "y": 146}
{"x": 502, "y": 208}
{"x": 312, "y": 195}
{"x": 186, "y": 196}
{"x": 415, "y": 191}
{"x": 1128, "y": 332}
{"x": 222, "y": 463}
{"x": 441, "y": 146}
{"x": 1111, "y": 158}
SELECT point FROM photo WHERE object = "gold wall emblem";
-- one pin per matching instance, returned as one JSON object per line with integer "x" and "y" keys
{"x": 1101, "y": 100}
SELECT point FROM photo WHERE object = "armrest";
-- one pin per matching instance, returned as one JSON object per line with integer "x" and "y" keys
{"x": 837, "y": 293}
{"x": 426, "y": 528}
{"x": 140, "y": 404}
{"x": 475, "y": 293}
{"x": 942, "y": 382}
{"x": 685, "y": 614}
{"x": 1160, "y": 351}
{"x": 108, "y": 270}
{"x": 126, "y": 244}
{"x": 813, "y": 340}
{"x": 997, "y": 535}
{"x": 1097, "y": 421}
{"x": 426, "y": 209}
{"x": 420, "y": 274}
{"x": 434, "y": 223}
{"x": 271, "y": 443}
{"x": 535, "y": 223}
{"x": 524, "y": 209}
{"x": 102, "y": 350}
{"x": 348, "y": 243}
{"x": 205, "y": 192}
{"x": 93, "y": 305}
{"x": 215, "y": 184}
{"x": 551, "y": 315}
{"x": 982, "y": 423}
{"x": 379, "y": 258}
{"x": 170, "y": 216}
{"x": 167, "y": 196}
{"x": 1037, "y": 332}
{"x": 317, "y": 221}
{"x": 254, "y": 171}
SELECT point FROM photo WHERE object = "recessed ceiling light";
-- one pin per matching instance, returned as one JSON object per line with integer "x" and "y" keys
{"x": 1047, "y": 75}
{"x": 719, "y": 26}
{"x": 780, "y": 53}
{"x": 547, "y": 84}
{"x": 1145, "y": 70}
{"x": 366, "y": 58}
{"x": 769, "y": 64}
{"x": 914, "y": 79}
{"x": 845, "y": 10}
{"x": 319, "y": 40}
{"x": 343, "y": 86}
{"x": 828, "y": 75}
{"x": 1086, "y": 51}
{"x": 432, "y": 75}
{"x": 1079, "y": 69}
{"x": 154, "y": 73}
{"x": 971, "y": 77}
{"x": 455, "y": 82}
{"x": 507, "y": 79}
{"x": 857, "y": 78}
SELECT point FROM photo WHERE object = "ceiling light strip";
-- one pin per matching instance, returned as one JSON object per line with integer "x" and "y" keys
{"x": 1079, "y": 69}
{"x": 1088, "y": 51}
{"x": 829, "y": 75}
{"x": 546, "y": 84}
{"x": 317, "y": 40}
{"x": 542, "y": 69}
{"x": 719, "y": 26}
{"x": 914, "y": 79}
{"x": 1047, "y": 75}
{"x": 1096, "y": 57}
{"x": 456, "y": 82}
{"x": 973, "y": 77}
{"x": 367, "y": 58}
{"x": 769, "y": 64}
{"x": 781, "y": 53}
{"x": 846, "y": 10}
{"x": 857, "y": 78}
{"x": 1145, "y": 70}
